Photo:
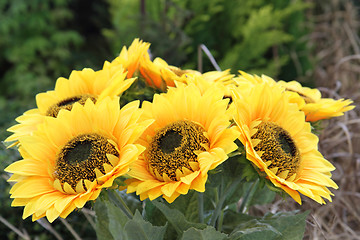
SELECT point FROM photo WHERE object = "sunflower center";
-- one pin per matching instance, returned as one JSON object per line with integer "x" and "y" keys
{"x": 170, "y": 141}
{"x": 175, "y": 147}
{"x": 68, "y": 103}
{"x": 279, "y": 149}
{"x": 78, "y": 159}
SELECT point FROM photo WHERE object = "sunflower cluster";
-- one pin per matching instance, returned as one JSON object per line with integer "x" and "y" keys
{"x": 80, "y": 139}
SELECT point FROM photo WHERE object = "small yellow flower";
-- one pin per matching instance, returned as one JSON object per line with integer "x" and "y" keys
{"x": 279, "y": 142}
{"x": 189, "y": 137}
{"x": 81, "y": 85}
{"x": 69, "y": 159}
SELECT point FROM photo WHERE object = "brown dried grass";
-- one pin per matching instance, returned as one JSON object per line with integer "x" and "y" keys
{"x": 336, "y": 47}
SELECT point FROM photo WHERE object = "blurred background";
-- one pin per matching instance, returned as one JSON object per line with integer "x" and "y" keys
{"x": 314, "y": 42}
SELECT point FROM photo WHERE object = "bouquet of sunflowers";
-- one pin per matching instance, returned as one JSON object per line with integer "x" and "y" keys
{"x": 165, "y": 153}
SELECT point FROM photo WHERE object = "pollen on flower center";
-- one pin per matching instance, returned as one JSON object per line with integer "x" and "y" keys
{"x": 68, "y": 103}
{"x": 279, "y": 150}
{"x": 79, "y": 158}
{"x": 174, "y": 149}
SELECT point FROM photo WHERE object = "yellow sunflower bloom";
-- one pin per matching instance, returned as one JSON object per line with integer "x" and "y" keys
{"x": 308, "y": 100}
{"x": 224, "y": 77}
{"x": 130, "y": 58}
{"x": 189, "y": 137}
{"x": 69, "y": 159}
{"x": 222, "y": 80}
{"x": 158, "y": 74}
{"x": 280, "y": 144}
{"x": 315, "y": 107}
{"x": 80, "y": 86}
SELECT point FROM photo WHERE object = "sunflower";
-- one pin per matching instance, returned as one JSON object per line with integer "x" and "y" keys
{"x": 280, "y": 144}
{"x": 222, "y": 80}
{"x": 130, "y": 58}
{"x": 158, "y": 74}
{"x": 309, "y": 100}
{"x": 69, "y": 159}
{"x": 81, "y": 85}
{"x": 314, "y": 106}
{"x": 189, "y": 137}
{"x": 207, "y": 79}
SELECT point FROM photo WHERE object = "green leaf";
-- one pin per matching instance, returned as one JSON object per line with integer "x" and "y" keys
{"x": 138, "y": 228}
{"x": 153, "y": 214}
{"x": 102, "y": 221}
{"x": 291, "y": 226}
{"x": 232, "y": 219}
{"x": 209, "y": 233}
{"x": 117, "y": 221}
{"x": 131, "y": 201}
{"x": 112, "y": 223}
{"x": 176, "y": 218}
{"x": 110, "y": 220}
{"x": 255, "y": 229}
{"x": 261, "y": 196}
{"x": 279, "y": 226}
{"x": 188, "y": 205}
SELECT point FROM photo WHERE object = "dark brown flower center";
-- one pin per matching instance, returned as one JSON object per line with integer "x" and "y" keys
{"x": 278, "y": 147}
{"x": 174, "y": 147}
{"x": 78, "y": 159}
{"x": 68, "y": 103}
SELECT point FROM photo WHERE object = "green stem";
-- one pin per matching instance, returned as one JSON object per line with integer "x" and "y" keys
{"x": 119, "y": 202}
{"x": 221, "y": 220}
{"x": 222, "y": 199}
{"x": 201, "y": 206}
{"x": 248, "y": 197}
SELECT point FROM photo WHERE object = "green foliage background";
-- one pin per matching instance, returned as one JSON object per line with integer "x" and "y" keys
{"x": 41, "y": 40}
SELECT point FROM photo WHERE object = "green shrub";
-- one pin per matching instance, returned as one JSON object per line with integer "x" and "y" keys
{"x": 256, "y": 36}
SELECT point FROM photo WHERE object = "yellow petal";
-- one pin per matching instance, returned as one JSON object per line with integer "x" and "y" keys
{"x": 274, "y": 170}
{"x": 32, "y": 187}
{"x": 68, "y": 188}
{"x": 169, "y": 189}
{"x": 178, "y": 174}
{"x": 112, "y": 142}
{"x": 79, "y": 187}
{"x": 87, "y": 184}
{"x": 98, "y": 173}
{"x": 172, "y": 197}
{"x": 166, "y": 178}
{"x": 57, "y": 185}
{"x": 52, "y": 214}
{"x": 114, "y": 160}
{"x": 29, "y": 208}
{"x": 283, "y": 174}
{"x": 186, "y": 171}
{"x": 268, "y": 163}
{"x": 108, "y": 168}
{"x": 291, "y": 178}
{"x": 158, "y": 176}
{"x": 194, "y": 166}
{"x": 17, "y": 202}
{"x": 255, "y": 142}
